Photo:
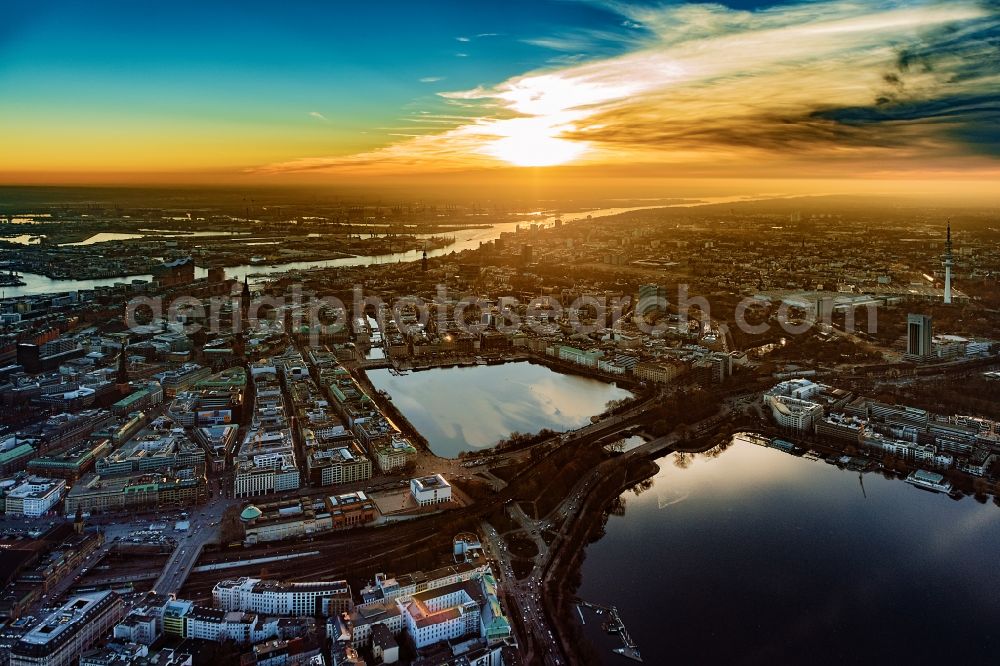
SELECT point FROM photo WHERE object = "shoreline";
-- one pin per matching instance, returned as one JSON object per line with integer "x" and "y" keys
{"x": 563, "y": 575}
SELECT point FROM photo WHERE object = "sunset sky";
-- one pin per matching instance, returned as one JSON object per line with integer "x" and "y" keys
{"x": 131, "y": 92}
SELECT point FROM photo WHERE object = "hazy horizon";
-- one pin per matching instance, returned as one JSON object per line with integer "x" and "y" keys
{"x": 19, "y": 198}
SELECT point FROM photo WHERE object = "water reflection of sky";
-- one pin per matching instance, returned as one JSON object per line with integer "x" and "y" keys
{"x": 104, "y": 237}
{"x": 763, "y": 557}
{"x": 461, "y": 409}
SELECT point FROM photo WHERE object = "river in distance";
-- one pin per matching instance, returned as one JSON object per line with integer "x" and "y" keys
{"x": 756, "y": 556}
{"x": 472, "y": 408}
{"x": 464, "y": 239}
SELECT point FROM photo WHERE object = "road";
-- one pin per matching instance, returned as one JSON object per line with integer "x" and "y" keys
{"x": 526, "y": 597}
{"x": 205, "y": 529}
{"x": 526, "y": 594}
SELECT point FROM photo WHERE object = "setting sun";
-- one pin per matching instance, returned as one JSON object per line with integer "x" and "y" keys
{"x": 531, "y": 150}
{"x": 532, "y": 142}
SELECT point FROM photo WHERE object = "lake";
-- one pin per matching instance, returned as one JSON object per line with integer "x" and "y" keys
{"x": 472, "y": 408}
{"x": 761, "y": 557}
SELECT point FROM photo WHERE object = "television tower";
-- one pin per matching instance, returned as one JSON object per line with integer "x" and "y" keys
{"x": 948, "y": 262}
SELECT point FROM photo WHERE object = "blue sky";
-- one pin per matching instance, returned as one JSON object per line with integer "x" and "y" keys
{"x": 339, "y": 55}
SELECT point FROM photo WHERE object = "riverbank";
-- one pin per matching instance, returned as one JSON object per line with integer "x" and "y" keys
{"x": 563, "y": 575}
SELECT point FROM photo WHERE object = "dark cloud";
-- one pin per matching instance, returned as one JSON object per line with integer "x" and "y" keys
{"x": 973, "y": 120}
{"x": 804, "y": 134}
{"x": 957, "y": 53}
{"x": 963, "y": 61}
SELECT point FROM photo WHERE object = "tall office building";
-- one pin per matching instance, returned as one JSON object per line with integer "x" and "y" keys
{"x": 918, "y": 337}
{"x": 651, "y": 297}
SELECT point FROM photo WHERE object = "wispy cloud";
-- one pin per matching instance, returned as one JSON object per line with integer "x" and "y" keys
{"x": 431, "y": 79}
{"x": 317, "y": 115}
{"x": 875, "y": 85}
{"x": 594, "y": 42}
{"x": 462, "y": 39}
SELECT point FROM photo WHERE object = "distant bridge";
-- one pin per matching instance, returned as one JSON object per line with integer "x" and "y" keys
{"x": 374, "y": 363}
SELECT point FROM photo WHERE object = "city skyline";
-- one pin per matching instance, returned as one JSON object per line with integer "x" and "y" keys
{"x": 787, "y": 98}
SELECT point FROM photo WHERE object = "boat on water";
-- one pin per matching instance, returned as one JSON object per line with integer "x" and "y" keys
{"x": 480, "y": 360}
{"x": 929, "y": 481}
{"x": 257, "y": 260}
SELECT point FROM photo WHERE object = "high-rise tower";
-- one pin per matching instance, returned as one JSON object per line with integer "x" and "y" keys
{"x": 948, "y": 262}
{"x": 919, "y": 337}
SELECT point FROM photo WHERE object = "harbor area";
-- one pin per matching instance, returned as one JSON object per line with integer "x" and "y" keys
{"x": 604, "y": 626}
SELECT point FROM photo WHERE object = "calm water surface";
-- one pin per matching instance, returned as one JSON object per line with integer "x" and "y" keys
{"x": 466, "y": 409}
{"x": 760, "y": 557}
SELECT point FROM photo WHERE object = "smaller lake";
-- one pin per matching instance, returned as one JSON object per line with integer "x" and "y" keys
{"x": 472, "y": 408}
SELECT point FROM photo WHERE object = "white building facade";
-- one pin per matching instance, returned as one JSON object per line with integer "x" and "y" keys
{"x": 429, "y": 490}
{"x": 275, "y": 598}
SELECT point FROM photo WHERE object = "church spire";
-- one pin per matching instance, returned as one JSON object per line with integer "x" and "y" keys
{"x": 78, "y": 520}
{"x": 122, "y": 377}
{"x": 245, "y": 305}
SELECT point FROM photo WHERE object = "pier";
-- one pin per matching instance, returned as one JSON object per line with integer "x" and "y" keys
{"x": 614, "y": 625}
